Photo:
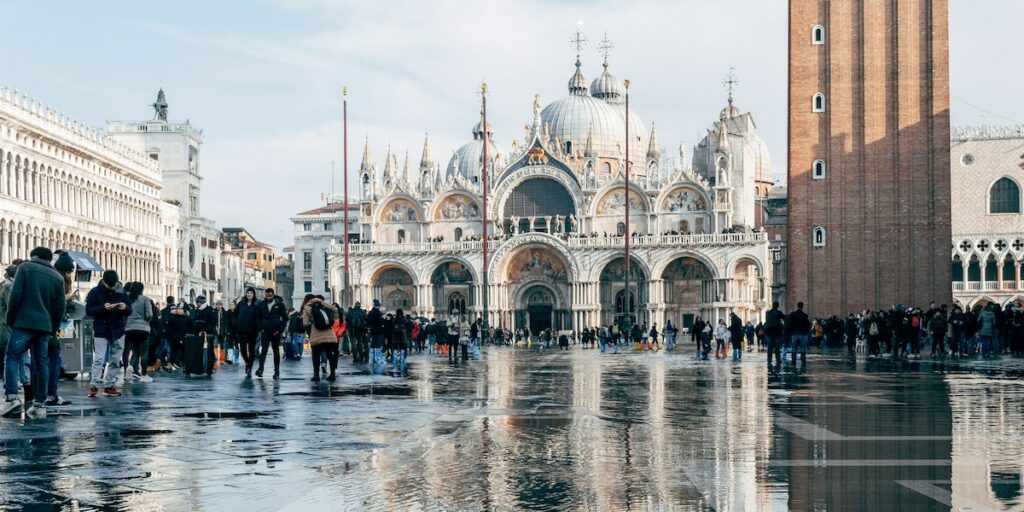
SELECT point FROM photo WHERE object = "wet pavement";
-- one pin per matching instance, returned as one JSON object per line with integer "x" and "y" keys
{"x": 530, "y": 429}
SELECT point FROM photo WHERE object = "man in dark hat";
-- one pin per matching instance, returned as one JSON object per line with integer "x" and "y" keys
{"x": 109, "y": 307}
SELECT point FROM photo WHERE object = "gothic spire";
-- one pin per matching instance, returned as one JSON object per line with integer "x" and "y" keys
{"x": 427, "y": 160}
{"x": 389, "y": 166}
{"x": 367, "y": 157}
{"x": 405, "y": 168}
{"x": 653, "y": 149}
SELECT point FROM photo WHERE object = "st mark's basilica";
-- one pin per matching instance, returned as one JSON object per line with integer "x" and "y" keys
{"x": 556, "y": 201}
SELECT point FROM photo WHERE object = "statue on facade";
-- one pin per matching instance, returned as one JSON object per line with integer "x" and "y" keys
{"x": 160, "y": 106}
{"x": 558, "y": 223}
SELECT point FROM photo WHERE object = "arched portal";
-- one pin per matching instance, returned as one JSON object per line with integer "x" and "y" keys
{"x": 452, "y": 288}
{"x": 613, "y": 291}
{"x": 538, "y": 279}
{"x": 745, "y": 288}
{"x": 394, "y": 287}
{"x": 688, "y": 290}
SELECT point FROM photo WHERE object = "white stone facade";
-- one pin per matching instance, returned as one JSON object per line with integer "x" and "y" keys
{"x": 988, "y": 219}
{"x": 315, "y": 231}
{"x": 556, "y": 205}
{"x": 68, "y": 186}
{"x": 176, "y": 147}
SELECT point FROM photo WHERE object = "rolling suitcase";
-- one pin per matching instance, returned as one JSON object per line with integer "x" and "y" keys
{"x": 198, "y": 355}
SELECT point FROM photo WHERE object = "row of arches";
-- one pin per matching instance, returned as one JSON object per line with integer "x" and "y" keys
{"x": 17, "y": 239}
{"x": 538, "y": 293}
{"x": 41, "y": 184}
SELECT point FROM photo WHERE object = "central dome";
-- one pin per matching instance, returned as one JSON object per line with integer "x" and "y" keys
{"x": 573, "y": 118}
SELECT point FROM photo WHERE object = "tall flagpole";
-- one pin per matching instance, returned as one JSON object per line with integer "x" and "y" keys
{"x": 346, "y": 292}
{"x": 627, "y": 297}
{"x": 483, "y": 181}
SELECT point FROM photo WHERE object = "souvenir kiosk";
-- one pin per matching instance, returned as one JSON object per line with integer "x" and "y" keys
{"x": 76, "y": 334}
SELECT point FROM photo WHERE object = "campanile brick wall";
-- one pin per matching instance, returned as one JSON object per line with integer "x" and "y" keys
{"x": 884, "y": 136}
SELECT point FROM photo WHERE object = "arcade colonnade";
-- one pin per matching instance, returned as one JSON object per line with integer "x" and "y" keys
{"x": 68, "y": 186}
{"x": 539, "y": 280}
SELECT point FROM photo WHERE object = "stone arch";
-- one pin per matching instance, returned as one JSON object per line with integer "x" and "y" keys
{"x": 981, "y": 300}
{"x": 735, "y": 262}
{"x": 511, "y": 181}
{"x": 1013, "y": 299}
{"x": 395, "y": 286}
{"x": 374, "y": 272}
{"x": 436, "y": 212}
{"x": 609, "y": 190}
{"x": 502, "y": 257}
{"x": 662, "y": 203}
{"x": 388, "y": 212}
{"x": 659, "y": 268}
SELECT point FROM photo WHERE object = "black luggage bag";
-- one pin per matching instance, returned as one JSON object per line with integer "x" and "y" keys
{"x": 198, "y": 355}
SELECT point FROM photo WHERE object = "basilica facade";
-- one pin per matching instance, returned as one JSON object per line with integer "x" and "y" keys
{"x": 556, "y": 206}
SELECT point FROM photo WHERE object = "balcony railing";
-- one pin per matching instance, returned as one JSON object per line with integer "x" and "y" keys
{"x": 646, "y": 241}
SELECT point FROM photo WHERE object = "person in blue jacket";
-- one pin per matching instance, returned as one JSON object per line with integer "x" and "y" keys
{"x": 109, "y": 307}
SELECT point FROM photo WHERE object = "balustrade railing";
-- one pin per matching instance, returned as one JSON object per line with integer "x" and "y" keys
{"x": 571, "y": 242}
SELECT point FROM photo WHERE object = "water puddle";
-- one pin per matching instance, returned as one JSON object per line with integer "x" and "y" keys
{"x": 243, "y": 415}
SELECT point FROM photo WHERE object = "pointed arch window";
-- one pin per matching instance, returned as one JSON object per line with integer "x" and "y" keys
{"x": 818, "y": 237}
{"x": 458, "y": 234}
{"x": 818, "y": 102}
{"x": 1004, "y": 197}
{"x": 818, "y": 169}
{"x": 818, "y": 35}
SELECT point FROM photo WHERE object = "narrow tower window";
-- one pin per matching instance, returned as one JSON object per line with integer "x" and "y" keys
{"x": 818, "y": 237}
{"x": 818, "y": 35}
{"x": 818, "y": 171}
{"x": 818, "y": 104}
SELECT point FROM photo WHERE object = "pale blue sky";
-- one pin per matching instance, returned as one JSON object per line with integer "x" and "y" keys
{"x": 263, "y": 78}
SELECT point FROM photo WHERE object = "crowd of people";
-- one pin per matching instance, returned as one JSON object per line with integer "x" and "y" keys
{"x": 133, "y": 336}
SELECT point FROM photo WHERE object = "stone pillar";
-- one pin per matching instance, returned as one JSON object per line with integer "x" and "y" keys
{"x": 1016, "y": 275}
{"x": 999, "y": 274}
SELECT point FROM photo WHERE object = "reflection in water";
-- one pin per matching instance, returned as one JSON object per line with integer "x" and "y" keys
{"x": 988, "y": 442}
{"x": 530, "y": 429}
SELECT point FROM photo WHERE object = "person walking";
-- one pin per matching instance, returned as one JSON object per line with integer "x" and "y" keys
{"x": 109, "y": 307}
{"x": 177, "y": 325}
{"x": 273, "y": 318}
{"x": 851, "y": 329}
{"x": 464, "y": 339}
{"x": 319, "y": 316}
{"x": 375, "y": 323}
{"x": 800, "y": 329}
{"x": 246, "y": 322}
{"x": 35, "y": 308}
{"x": 137, "y": 332}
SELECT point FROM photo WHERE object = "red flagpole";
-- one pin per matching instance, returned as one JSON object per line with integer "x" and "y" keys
{"x": 627, "y": 298}
{"x": 483, "y": 182}
{"x": 344, "y": 117}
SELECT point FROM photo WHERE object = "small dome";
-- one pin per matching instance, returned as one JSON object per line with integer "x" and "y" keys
{"x": 479, "y": 134}
{"x": 729, "y": 112}
{"x": 469, "y": 157}
{"x": 578, "y": 84}
{"x": 606, "y": 86}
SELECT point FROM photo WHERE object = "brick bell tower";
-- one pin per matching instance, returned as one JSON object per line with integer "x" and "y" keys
{"x": 868, "y": 169}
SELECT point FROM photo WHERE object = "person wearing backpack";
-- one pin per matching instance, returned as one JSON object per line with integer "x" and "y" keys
{"x": 319, "y": 317}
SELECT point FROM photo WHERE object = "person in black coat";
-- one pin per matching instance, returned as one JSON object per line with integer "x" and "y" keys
{"x": 736, "y": 336}
{"x": 799, "y": 325}
{"x": 273, "y": 318}
{"x": 852, "y": 330}
{"x": 246, "y": 325}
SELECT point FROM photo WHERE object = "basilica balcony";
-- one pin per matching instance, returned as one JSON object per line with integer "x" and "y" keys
{"x": 612, "y": 242}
